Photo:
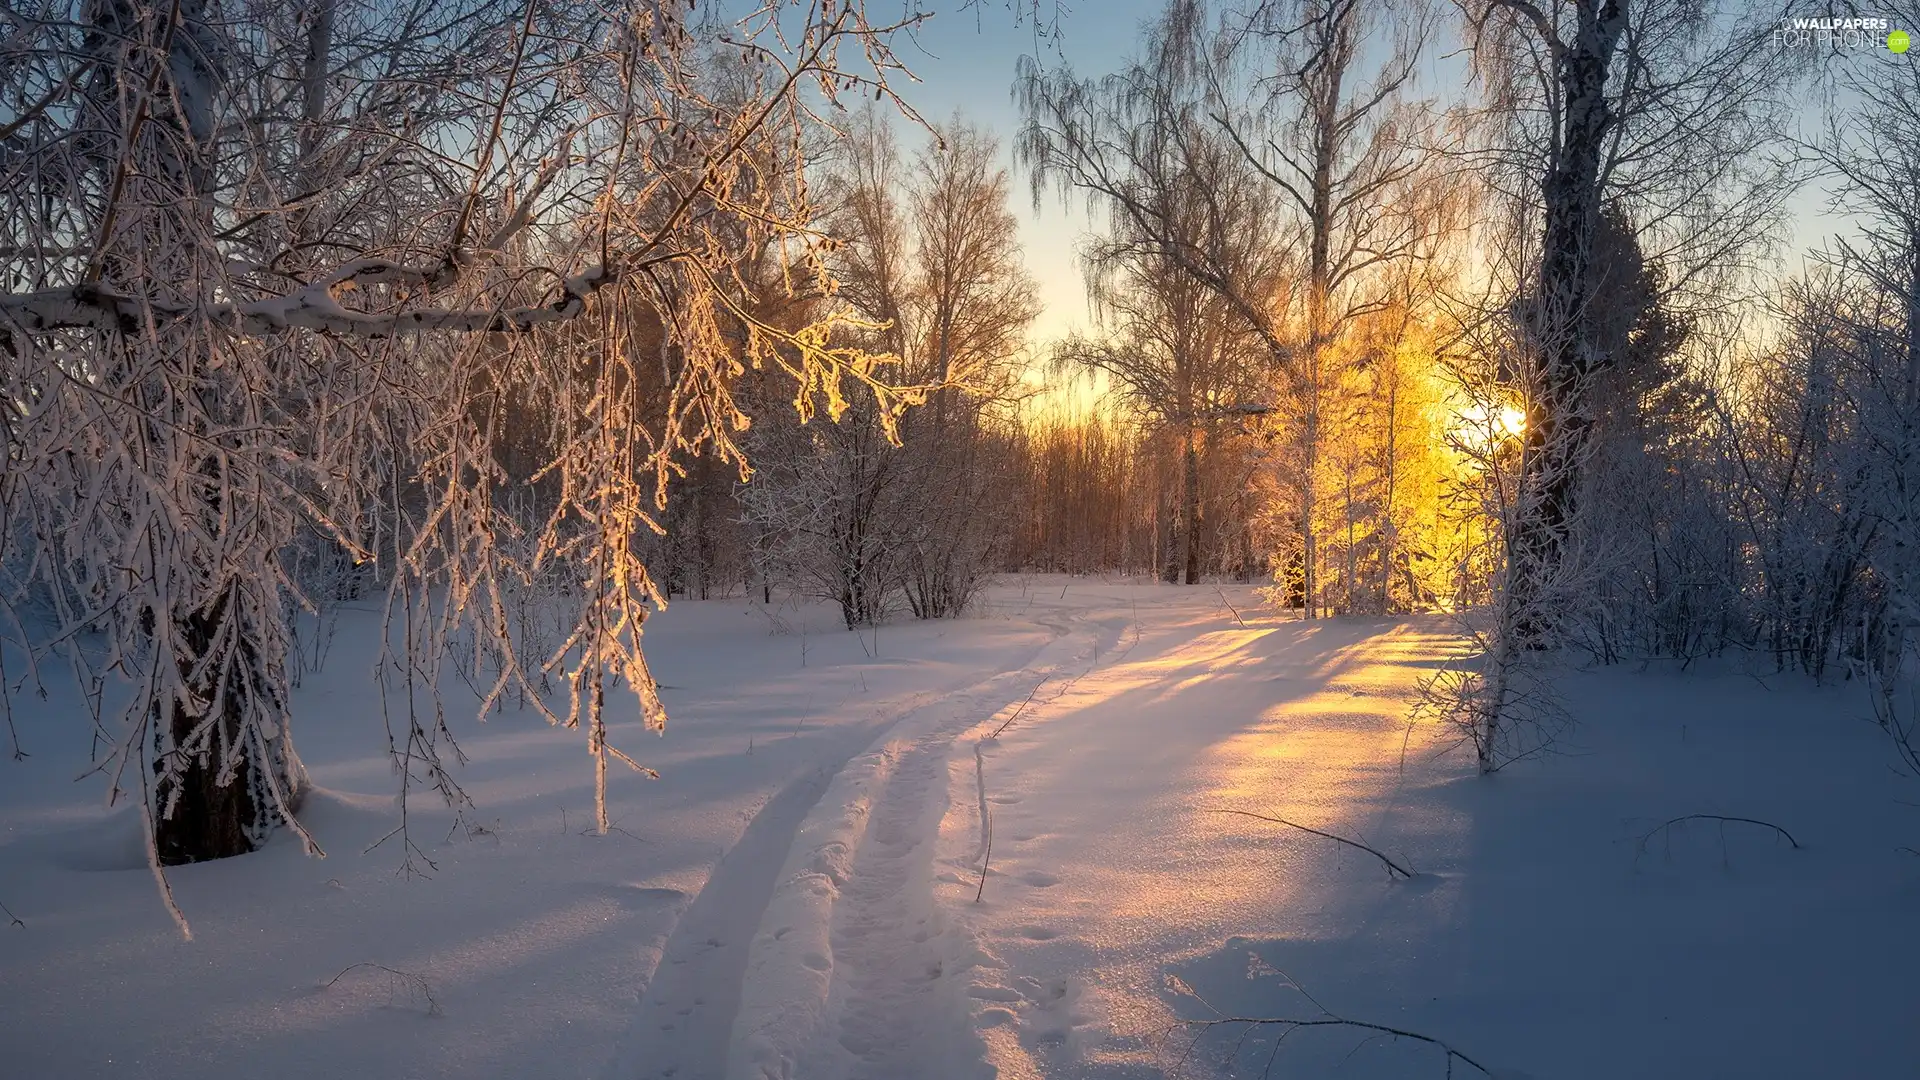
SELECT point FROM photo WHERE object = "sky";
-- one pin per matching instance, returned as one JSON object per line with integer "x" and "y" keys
{"x": 965, "y": 60}
{"x": 965, "y": 55}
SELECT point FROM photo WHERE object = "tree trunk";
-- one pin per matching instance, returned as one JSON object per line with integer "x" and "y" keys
{"x": 1190, "y": 510}
{"x": 1557, "y": 428}
{"x": 200, "y": 814}
{"x": 1310, "y": 548}
{"x": 1327, "y": 140}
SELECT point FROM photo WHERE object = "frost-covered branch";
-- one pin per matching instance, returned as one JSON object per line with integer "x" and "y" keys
{"x": 313, "y": 307}
{"x": 457, "y": 304}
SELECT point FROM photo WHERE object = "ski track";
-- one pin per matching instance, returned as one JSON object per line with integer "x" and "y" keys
{"x": 815, "y": 949}
{"x": 686, "y": 1012}
{"x": 893, "y": 1007}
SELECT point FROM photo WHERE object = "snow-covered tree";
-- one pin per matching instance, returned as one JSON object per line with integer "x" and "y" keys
{"x": 280, "y": 269}
{"x": 931, "y": 259}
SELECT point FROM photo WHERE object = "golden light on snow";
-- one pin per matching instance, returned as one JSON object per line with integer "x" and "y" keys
{"x": 1313, "y": 733}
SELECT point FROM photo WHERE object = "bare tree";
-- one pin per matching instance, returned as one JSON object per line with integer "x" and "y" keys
{"x": 1871, "y": 324}
{"x": 931, "y": 260}
{"x": 1340, "y": 142}
{"x": 1187, "y": 267}
{"x": 1330, "y": 163}
{"x": 1657, "y": 112}
{"x": 975, "y": 302}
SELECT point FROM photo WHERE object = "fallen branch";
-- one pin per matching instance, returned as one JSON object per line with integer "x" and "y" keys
{"x": 611, "y": 829}
{"x": 1289, "y": 1025}
{"x": 1392, "y": 867}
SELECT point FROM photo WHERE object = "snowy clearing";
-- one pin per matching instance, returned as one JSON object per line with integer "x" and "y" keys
{"x": 796, "y": 895}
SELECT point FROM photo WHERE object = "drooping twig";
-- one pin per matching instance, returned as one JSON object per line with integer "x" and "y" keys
{"x": 1392, "y": 867}
{"x": 986, "y": 819}
{"x": 1327, "y": 1018}
{"x": 410, "y": 978}
{"x": 1230, "y": 607}
{"x": 981, "y": 892}
{"x": 11, "y": 916}
{"x": 1641, "y": 846}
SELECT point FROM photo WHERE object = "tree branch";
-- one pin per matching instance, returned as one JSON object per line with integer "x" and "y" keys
{"x": 1392, "y": 867}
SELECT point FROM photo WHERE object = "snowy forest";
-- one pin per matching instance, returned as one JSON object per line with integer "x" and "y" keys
{"x": 1439, "y": 596}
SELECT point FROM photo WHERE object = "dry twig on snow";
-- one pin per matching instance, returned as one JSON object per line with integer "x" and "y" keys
{"x": 395, "y": 976}
{"x": 1640, "y": 846}
{"x": 1392, "y": 867}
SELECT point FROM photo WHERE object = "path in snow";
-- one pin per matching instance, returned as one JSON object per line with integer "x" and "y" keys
{"x": 855, "y": 974}
{"x": 887, "y": 939}
{"x": 694, "y": 1001}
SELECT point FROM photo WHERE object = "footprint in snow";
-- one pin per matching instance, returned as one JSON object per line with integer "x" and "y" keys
{"x": 856, "y": 1045}
{"x": 1039, "y": 879}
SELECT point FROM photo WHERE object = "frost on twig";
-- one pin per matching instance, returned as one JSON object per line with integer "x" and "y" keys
{"x": 460, "y": 365}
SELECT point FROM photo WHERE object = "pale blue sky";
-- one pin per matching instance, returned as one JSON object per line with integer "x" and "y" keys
{"x": 965, "y": 61}
{"x": 964, "y": 57}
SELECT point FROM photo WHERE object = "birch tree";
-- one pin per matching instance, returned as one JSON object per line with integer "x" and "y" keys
{"x": 1341, "y": 143}
{"x": 1331, "y": 157}
{"x": 1657, "y": 112}
{"x": 259, "y": 265}
{"x": 975, "y": 303}
{"x": 931, "y": 260}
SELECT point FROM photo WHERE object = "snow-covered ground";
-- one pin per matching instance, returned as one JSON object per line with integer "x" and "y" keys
{"x": 796, "y": 895}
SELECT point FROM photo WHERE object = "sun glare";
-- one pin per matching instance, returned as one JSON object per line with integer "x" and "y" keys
{"x": 1481, "y": 426}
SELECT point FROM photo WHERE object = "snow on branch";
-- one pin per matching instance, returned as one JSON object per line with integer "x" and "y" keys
{"x": 90, "y": 306}
{"x": 197, "y": 324}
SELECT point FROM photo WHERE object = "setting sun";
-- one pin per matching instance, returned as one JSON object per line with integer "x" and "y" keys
{"x": 1478, "y": 425}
